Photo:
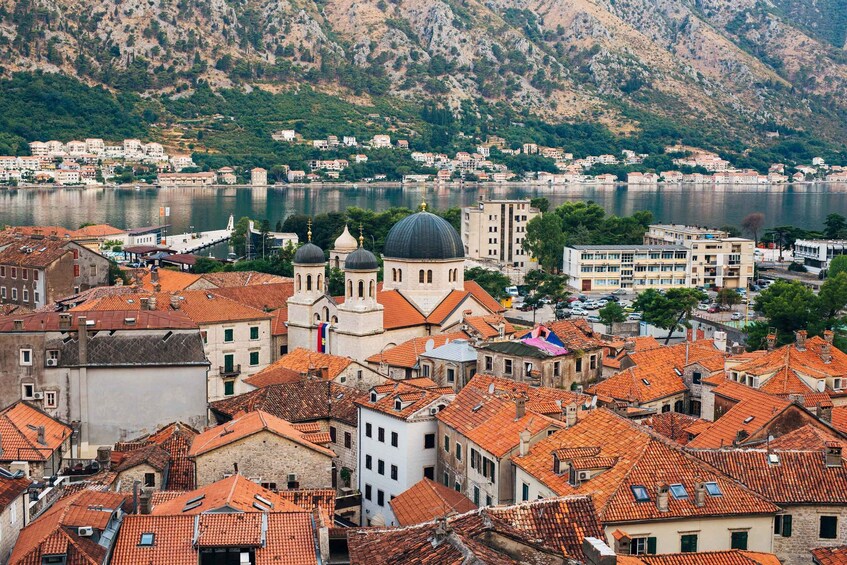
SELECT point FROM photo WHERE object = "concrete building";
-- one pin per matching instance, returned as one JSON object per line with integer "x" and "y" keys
{"x": 397, "y": 444}
{"x": 816, "y": 254}
{"x": 494, "y": 230}
{"x": 637, "y": 267}
{"x": 259, "y": 177}
{"x": 170, "y": 180}
{"x": 716, "y": 260}
{"x": 451, "y": 365}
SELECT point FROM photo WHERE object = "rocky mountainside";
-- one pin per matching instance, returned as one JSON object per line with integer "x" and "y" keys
{"x": 746, "y": 66}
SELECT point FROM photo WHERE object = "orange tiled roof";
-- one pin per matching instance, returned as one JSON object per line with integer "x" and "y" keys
{"x": 808, "y": 437}
{"x": 264, "y": 297}
{"x": 290, "y": 537}
{"x": 278, "y": 324}
{"x": 491, "y": 421}
{"x": 233, "y": 494}
{"x": 413, "y": 398}
{"x": 19, "y": 425}
{"x": 151, "y": 455}
{"x": 427, "y": 500}
{"x": 247, "y": 425}
{"x": 790, "y": 360}
{"x": 753, "y": 410}
{"x": 447, "y": 306}
{"x": 296, "y": 365}
{"x": 242, "y": 278}
{"x": 406, "y": 354}
{"x": 485, "y": 326}
{"x": 577, "y": 335}
{"x": 541, "y": 400}
{"x": 11, "y": 489}
{"x": 47, "y": 231}
{"x": 398, "y": 312}
{"x": 830, "y": 555}
{"x": 729, "y": 557}
{"x": 169, "y": 280}
{"x": 643, "y": 459}
{"x": 640, "y": 384}
{"x": 483, "y": 297}
{"x": 55, "y": 530}
{"x": 673, "y": 425}
{"x": 205, "y": 307}
{"x": 96, "y": 230}
{"x": 175, "y": 439}
{"x": 839, "y": 418}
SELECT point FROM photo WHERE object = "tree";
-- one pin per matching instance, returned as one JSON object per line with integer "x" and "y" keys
{"x": 544, "y": 285}
{"x": 493, "y": 282}
{"x": 670, "y": 311}
{"x": 788, "y": 306}
{"x": 728, "y": 297}
{"x": 835, "y": 226}
{"x": 612, "y": 313}
{"x": 731, "y": 231}
{"x": 240, "y": 233}
{"x": 207, "y": 265}
{"x": 335, "y": 281}
{"x": 837, "y": 265}
{"x": 833, "y": 296}
{"x": 545, "y": 241}
{"x": 752, "y": 224}
{"x": 541, "y": 203}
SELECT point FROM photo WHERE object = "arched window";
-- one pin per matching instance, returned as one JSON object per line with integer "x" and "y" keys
{"x": 336, "y": 262}
{"x": 335, "y": 319}
{"x": 399, "y": 275}
{"x": 361, "y": 289}
{"x": 350, "y": 289}
{"x": 429, "y": 276}
{"x": 317, "y": 318}
{"x": 421, "y": 276}
{"x": 394, "y": 275}
{"x": 319, "y": 287}
{"x": 299, "y": 285}
{"x": 371, "y": 289}
{"x": 326, "y": 314}
{"x": 308, "y": 282}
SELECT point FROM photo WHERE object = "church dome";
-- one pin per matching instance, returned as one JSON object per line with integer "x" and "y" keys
{"x": 309, "y": 254}
{"x": 361, "y": 260}
{"x": 423, "y": 236}
{"x": 345, "y": 241}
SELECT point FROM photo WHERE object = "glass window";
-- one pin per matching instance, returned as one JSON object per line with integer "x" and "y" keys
{"x": 640, "y": 493}
{"x": 394, "y": 439}
{"x": 446, "y": 443}
{"x": 380, "y": 466}
{"x": 738, "y": 540}
{"x": 429, "y": 441}
{"x": 524, "y": 492}
{"x": 254, "y": 332}
{"x": 229, "y": 388}
{"x": 26, "y": 357}
{"x": 782, "y": 525}
{"x": 228, "y": 335}
{"x": 678, "y": 491}
{"x": 147, "y": 539}
{"x": 642, "y": 546}
{"x": 368, "y": 430}
{"x": 688, "y": 543}
{"x": 394, "y": 472}
{"x": 380, "y": 434}
{"x": 367, "y": 492}
{"x": 368, "y": 462}
{"x": 713, "y": 489}
{"x": 254, "y": 358}
{"x": 829, "y": 527}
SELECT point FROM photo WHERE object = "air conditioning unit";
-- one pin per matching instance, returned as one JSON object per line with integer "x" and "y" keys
{"x": 433, "y": 411}
{"x": 52, "y": 362}
{"x": 38, "y": 396}
{"x": 583, "y": 475}
{"x": 85, "y": 531}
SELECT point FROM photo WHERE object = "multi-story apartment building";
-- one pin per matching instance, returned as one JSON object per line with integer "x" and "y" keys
{"x": 494, "y": 230}
{"x": 638, "y": 267}
{"x": 815, "y": 254}
{"x": 717, "y": 260}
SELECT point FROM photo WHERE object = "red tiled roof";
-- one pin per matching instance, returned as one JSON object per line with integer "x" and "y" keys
{"x": 413, "y": 398}
{"x": 37, "y": 253}
{"x": 265, "y": 297}
{"x": 406, "y": 354}
{"x": 640, "y": 384}
{"x": 151, "y": 455}
{"x": 427, "y": 500}
{"x": 839, "y": 418}
{"x": 297, "y": 364}
{"x": 398, "y": 312}
{"x": 96, "y": 230}
{"x": 674, "y": 426}
{"x": 805, "y": 438}
{"x": 290, "y": 537}
{"x": 11, "y": 489}
{"x": 19, "y": 425}
{"x": 242, "y": 278}
{"x": 278, "y": 324}
{"x": 483, "y": 297}
{"x": 729, "y": 557}
{"x": 577, "y": 335}
{"x": 830, "y": 555}
{"x": 247, "y": 425}
{"x": 541, "y": 400}
{"x": 175, "y": 439}
{"x": 643, "y": 459}
{"x": 103, "y": 320}
{"x": 485, "y": 326}
{"x": 233, "y": 494}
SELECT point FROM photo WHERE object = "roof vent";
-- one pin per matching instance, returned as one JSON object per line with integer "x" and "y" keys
{"x": 129, "y": 321}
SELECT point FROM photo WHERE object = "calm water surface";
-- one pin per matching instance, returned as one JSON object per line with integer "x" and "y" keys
{"x": 209, "y": 208}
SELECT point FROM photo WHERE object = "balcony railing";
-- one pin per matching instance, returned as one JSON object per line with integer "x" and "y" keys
{"x": 229, "y": 371}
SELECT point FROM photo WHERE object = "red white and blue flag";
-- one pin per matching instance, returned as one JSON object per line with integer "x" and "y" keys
{"x": 323, "y": 337}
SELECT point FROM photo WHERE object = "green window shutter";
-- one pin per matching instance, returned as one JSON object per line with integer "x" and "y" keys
{"x": 254, "y": 357}
{"x": 688, "y": 543}
{"x": 254, "y": 332}
{"x": 651, "y": 545}
{"x": 786, "y": 526}
{"x": 739, "y": 540}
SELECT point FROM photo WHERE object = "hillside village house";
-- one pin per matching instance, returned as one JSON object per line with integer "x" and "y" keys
{"x": 267, "y": 450}
{"x": 329, "y": 405}
{"x": 397, "y": 443}
{"x": 32, "y": 441}
{"x": 36, "y": 270}
{"x": 88, "y": 367}
{"x": 651, "y": 496}
{"x": 490, "y": 421}
{"x": 304, "y": 364}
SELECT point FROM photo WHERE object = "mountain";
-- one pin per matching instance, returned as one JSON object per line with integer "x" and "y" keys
{"x": 734, "y": 69}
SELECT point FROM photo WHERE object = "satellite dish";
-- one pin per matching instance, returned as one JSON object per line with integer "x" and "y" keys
{"x": 430, "y": 345}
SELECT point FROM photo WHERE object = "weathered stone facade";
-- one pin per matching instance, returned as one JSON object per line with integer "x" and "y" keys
{"x": 13, "y": 518}
{"x": 127, "y": 478}
{"x": 266, "y": 458}
{"x": 565, "y": 371}
{"x": 805, "y": 530}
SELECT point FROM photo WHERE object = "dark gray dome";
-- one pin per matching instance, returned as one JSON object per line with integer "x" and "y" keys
{"x": 361, "y": 260}
{"x": 423, "y": 236}
{"x": 309, "y": 254}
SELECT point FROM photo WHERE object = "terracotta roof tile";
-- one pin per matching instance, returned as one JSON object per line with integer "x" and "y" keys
{"x": 412, "y": 398}
{"x": 19, "y": 425}
{"x": 265, "y": 297}
{"x": 541, "y": 400}
{"x": 398, "y": 312}
{"x": 206, "y": 307}
{"x": 673, "y": 425}
{"x": 11, "y": 489}
{"x": 96, "y": 230}
{"x": 548, "y": 530}
{"x": 730, "y": 557}
{"x": 236, "y": 494}
{"x": 112, "y": 319}
{"x": 247, "y": 425}
{"x": 169, "y": 280}
{"x": 175, "y": 439}
{"x": 152, "y": 455}
{"x": 486, "y": 326}
{"x": 427, "y": 500}
{"x": 242, "y": 278}
{"x": 300, "y": 401}
{"x": 839, "y": 418}
{"x": 278, "y": 324}
{"x": 483, "y": 297}
{"x": 406, "y": 354}
{"x": 640, "y": 384}
{"x": 297, "y": 364}
{"x": 577, "y": 335}
{"x": 37, "y": 253}
{"x": 830, "y": 555}
{"x": 643, "y": 459}
{"x": 808, "y": 437}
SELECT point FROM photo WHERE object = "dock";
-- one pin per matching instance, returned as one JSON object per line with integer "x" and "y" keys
{"x": 193, "y": 242}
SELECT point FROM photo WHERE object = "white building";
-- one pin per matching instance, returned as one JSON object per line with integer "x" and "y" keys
{"x": 259, "y": 177}
{"x": 610, "y": 267}
{"x": 816, "y": 254}
{"x": 494, "y": 230}
{"x": 381, "y": 141}
{"x": 284, "y": 135}
{"x": 397, "y": 444}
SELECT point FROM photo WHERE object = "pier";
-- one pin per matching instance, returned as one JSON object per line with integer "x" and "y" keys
{"x": 193, "y": 242}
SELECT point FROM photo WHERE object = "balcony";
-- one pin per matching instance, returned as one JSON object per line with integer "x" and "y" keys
{"x": 229, "y": 370}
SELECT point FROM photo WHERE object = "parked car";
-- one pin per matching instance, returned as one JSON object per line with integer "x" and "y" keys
{"x": 602, "y": 302}
{"x": 594, "y": 319}
{"x": 525, "y": 307}
{"x": 713, "y": 309}
{"x": 735, "y": 316}
{"x": 581, "y": 297}
{"x": 703, "y": 307}
{"x": 610, "y": 298}
{"x": 619, "y": 291}
{"x": 563, "y": 313}
{"x": 511, "y": 291}
{"x": 546, "y": 300}
{"x": 635, "y": 316}
{"x": 591, "y": 305}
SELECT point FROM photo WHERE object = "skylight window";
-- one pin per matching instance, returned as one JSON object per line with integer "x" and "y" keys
{"x": 191, "y": 506}
{"x": 398, "y": 404}
{"x": 640, "y": 493}
{"x": 677, "y": 371}
{"x": 773, "y": 458}
{"x": 748, "y": 419}
{"x": 147, "y": 539}
{"x": 713, "y": 489}
{"x": 646, "y": 382}
{"x": 678, "y": 491}
{"x": 263, "y": 500}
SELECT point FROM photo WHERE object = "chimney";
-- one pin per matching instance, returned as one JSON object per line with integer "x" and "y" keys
{"x": 524, "y": 442}
{"x": 800, "y": 336}
{"x": 104, "y": 457}
{"x": 700, "y": 495}
{"x": 824, "y": 412}
{"x": 833, "y": 454}
{"x": 520, "y": 407}
{"x": 771, "y": 341}
{"x": 570, "y": 414}
{"x": 151, "y": 302}
{"x": 323, "y": 535}
{"x": 65, "y": 321}
{"x": 157, "y": 287}
{"x": 175, "y": 301}
{"x": 720, "y": 340}
{"x": 629, "y": 344}
{"x": 662, "y": 498}
{"x": 41, "y": 439}
{"x": 826, "y": 347}
{"x": 145, "y": 500}
{"x": 597, "y": 552}
{"x": 143, "y": 303}
{"x": 828, "y": 335}
{"x": 442, "y": 531}
{"x": 154, "y": 276}
{"x": 82, "y": 339}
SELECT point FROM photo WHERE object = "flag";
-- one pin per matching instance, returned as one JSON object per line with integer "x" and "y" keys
{"x": 323, "y": 337}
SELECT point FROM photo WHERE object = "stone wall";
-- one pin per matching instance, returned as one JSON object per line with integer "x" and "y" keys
{"x": 805, "y": 528}
{"x": 12, "y": 520}
{"x": 128, "y": 477}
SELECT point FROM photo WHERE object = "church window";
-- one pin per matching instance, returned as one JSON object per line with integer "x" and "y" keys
{"x": 371, "y": 289}
{"x": 299, "y": 285}
{"x": 361, "y": 289}
{"x": 429, "y": 276}
{"x": 350, "y": 289}
{"x": 308, "y": 283}
{"x": 421, "y": 276}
